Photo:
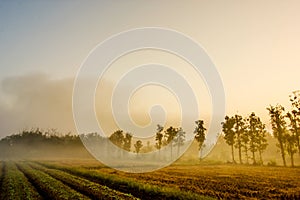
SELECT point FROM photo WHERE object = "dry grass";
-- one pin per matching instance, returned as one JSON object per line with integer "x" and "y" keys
{"x": 221, "y": 181}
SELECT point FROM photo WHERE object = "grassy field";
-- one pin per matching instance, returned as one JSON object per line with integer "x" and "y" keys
{"x": 87, "y": 179}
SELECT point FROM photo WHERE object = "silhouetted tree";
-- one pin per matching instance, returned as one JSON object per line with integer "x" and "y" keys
{"x": 127, "y": 141}
{"x": 294, "y": 117}
{"x": 117, "y": 138}
{"x": 170, "y": 134}
{"x": 200, "y": 133}
{"x": 138, "y": 145}
{"x": 245, "y": 143}
{"x": 179, "y": 139}
{"x": 291, "y": 146}
{"x": 257, "y": 136}
{"x": 239, "y": 129}
{"x": 279, "y": 127}
{"x": 227, "y": 128}
{"x": 262, "y": 143}
{"x": 159, "y": 137}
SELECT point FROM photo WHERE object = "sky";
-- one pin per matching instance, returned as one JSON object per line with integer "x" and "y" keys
{"x": 253, "y": 44}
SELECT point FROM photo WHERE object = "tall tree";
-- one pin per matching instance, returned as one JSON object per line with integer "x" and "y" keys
{"x": 291, "y": 146}
{"x": 179, "y": 139}
{"x": 257, "y": 136}
{"x": 279, "y": 127}
{"x": 227, "y": 128}
{"x": 239, "y": 129}
{"x": 159, "y": 136}
{"x": 262, "y": 143}
{"x": 294, "y": 125}
{"x": 170, "y": 134}
{"x": 138, "y": 145}
{"x": 245, "y": 143}
{"x": 127, "y": 141}
{"x": 253, "y": 134}
{"x": 117, "y": 138}
{"x": 200, "y": 133}
{"x": 295, "y": 117}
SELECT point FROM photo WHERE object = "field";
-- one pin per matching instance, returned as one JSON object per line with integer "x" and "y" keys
{"x": 87, "y": 179}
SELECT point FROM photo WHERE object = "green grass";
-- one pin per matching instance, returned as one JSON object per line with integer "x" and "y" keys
{"x": 89, "y": 188}
{"x": 48, "y": 186}
{"x": 15, "y": 185}
{"x": 138, "y": 189}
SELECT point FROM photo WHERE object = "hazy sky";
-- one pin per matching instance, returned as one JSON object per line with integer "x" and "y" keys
{"x": 255, "y": 46}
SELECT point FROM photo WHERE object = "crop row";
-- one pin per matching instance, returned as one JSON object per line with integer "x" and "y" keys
{"x": 126, "y": 185}
{"x": 15, "y": 185}
{"x": 89, "y": 188}
{"x": 49, "y": 187}
{"x": 220, "y": 184}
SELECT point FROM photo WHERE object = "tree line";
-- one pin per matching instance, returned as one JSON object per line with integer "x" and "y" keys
{"x": 248, "y": 135}
{"x": 175, "y": 137}
{"x": 286, "y": 127}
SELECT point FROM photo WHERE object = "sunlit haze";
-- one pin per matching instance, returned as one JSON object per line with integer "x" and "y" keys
{"x": 253, "y": 44}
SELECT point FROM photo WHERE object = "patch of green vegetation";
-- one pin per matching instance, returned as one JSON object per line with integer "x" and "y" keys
{"x": 91, "y": 189}
{"x": 15, "y": 185}
{"x": 138, "y": 189}
{"x": 48, "y": 186}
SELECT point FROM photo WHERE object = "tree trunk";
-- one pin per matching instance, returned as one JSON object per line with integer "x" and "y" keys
{"x": 253, "y": 157}
{"x": 232, "y": 154}
{"x": 292, "y": 159}
{"x": 282, "y": 153}
{"x": 240, "y": 154}
{"x": 260, "y": 158}
{"x": 246, "y": 152}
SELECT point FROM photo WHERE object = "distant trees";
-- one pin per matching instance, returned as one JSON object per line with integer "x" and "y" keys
{"x": 248, "y": 134}
{"x": 179, "y": 139}
{"x": 290, "y": 145}
{"x": 262, "y": 142}
{"x": 227, "y": 128}
{"x": 127, "y": 141}
{"x": 238, "y": 131}
{"x": 121, "y": 140}
{"x": 294, "y": 117}
{"x": 173, "y": 136}
{"x": 159, "y": 137}
{"x": 117, "y": 138}
{"x": 138, "y": 145}
{"x": 292, "y": 139}
{"x": 245, "y": 144}
{"x": 200, "y": 133}
{"x": 257, "y": 136}
{"x": 287, "y": 135}
{"x": 170, "y": 134}
{"x": 279, "y": 127}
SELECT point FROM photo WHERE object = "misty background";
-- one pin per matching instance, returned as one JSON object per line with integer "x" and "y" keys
{"x": 253, "y": 45}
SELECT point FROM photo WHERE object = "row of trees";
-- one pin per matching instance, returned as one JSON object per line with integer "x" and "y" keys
{"x": 286, "y": 127}
{"x": 175, "y": 137}
{"x": 123, "y": 140}
{"x": 247, "y": 135}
